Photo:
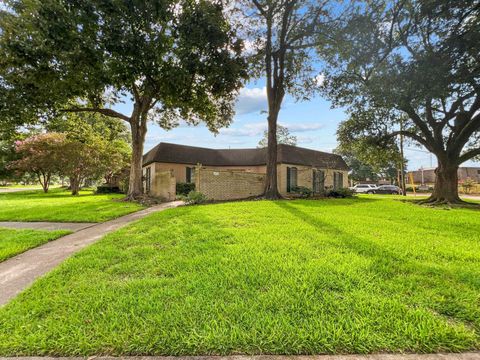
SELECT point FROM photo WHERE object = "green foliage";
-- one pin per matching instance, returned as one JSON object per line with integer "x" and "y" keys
{"x": 363, "y": 275}
{"x": 195, "y": 198}
{"x": 14, "y": 242}
{"x": 184, "y": 188}
{"x": 177, "y": 59}
{"x": 58, "y": 206}
{"x": 303, "y": 191}
{"x": 283, "y": 137}
{"x": 340, "y": 193}
{"x": 369, "y": 154}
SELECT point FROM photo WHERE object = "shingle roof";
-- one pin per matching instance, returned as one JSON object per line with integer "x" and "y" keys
{"x": 287, "y": 154}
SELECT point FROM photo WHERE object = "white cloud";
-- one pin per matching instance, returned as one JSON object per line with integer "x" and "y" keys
{"x": 251, "y": 100}
{"x": 252, "y": 129}
{"x": 320, "y": 79}
{"x": 302, "y": 127}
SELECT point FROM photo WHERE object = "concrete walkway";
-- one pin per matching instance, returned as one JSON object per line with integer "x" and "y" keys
{"x": 13, "y": 190}
{"x": 50, "y": 226}
{"x": 20, "y": 271}
{"x": 449, "y": 356}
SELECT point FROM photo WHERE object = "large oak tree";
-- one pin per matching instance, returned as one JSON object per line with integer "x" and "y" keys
{"x": 173, "y": 59}
{"x": 418, "y": 62}
{"x": 283, "y": 35}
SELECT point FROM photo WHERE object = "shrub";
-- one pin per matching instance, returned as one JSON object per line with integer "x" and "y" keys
{"x": 303, "y": 191}
{"x": 340, "y": 193}
{"x": 184, "y": 188}
{"x": 105, "y": 189}
{"x": 195, "y": 198}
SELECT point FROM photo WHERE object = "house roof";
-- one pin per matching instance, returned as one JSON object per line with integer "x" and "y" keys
{"x": 287, "y": 154}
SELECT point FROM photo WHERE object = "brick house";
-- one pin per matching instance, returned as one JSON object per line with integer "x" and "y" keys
{"x": 223, "y": 174}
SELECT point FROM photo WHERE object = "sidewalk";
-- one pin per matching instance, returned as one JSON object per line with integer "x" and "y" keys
{"x": 20, "y": 271}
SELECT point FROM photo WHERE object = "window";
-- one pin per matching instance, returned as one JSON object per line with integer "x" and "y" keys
{"x": 190, "y": 172}
{"x": 291, "y": 178}
{"x": 147, "y": 179}
{"x": 318, "y": 181}
{"x": 337, "y": 180}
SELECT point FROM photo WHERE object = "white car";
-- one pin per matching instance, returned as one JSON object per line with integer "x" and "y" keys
{"x": 364, "y": 188}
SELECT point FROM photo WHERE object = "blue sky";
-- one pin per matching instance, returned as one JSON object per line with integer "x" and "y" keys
{"x": 314, "y": 123}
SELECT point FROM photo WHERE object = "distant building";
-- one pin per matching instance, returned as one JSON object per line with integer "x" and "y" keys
{"x": 427, "y": 176}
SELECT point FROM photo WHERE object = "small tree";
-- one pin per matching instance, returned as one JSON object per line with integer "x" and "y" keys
{"x": 40, "y": 155}
{"x": 97, "y": 146}
{"x": 283, "y": 137}
{"x": 81, "y": 160}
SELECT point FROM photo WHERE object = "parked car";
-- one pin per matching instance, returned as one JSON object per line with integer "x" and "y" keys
{"x": 388, "y": 189}
{"x": 364, "y": 188}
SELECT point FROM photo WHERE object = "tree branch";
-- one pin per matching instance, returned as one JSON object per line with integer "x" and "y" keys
{"x": 413, "y": 136}
{"x": 106, "y": 112}
{"x": 468, "y": 155}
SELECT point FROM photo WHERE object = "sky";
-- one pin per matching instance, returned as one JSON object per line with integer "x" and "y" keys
{"x": 313, "y": 122}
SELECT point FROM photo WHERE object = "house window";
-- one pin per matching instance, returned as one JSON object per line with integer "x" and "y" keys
{"x": 190, "y": 173}
{"x": 318, "y": 181}
{"x": 291, "y": 178}
{"x": 147, "y": 179}
{"x": 337, "y": 180}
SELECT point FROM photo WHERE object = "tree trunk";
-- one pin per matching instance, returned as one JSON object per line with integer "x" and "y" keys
{"x": 446, "y": 183}
{"x": 271, "y": 187}
{"x": 44, "y": 180}
{"x": 74, "y": 185}
{"x": 139, "y": 130}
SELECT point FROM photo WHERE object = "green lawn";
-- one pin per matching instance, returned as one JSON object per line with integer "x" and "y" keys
{"x": 300, "y": 277}
{"x": 59, "y": 205}
{"x": 13, "y": 242}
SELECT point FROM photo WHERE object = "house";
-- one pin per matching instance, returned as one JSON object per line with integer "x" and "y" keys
{"x": 426, "y": 176}
{"x": 223, "y": 174}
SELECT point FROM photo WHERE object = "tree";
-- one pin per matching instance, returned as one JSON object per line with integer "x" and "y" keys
{"x": 283, "y": 137}
{"x": 40, "y": 155}
{"x": 416, "y": 61}
{"x": 81, "y": 160}
{"x": 95, "y": 147}
{"x": 367, "y": 155}
{"x": 283, "y": 34}
{"x": 174, "y": 59}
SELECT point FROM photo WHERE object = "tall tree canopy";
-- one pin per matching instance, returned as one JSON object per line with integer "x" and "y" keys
{"x": 174, "y": 59}
{"x": 283, "y": 137}
{"x": 417, "y": 61}
{"x": 283, "y": 34}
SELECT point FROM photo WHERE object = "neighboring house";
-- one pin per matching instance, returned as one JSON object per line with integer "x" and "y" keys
{"x": 427, "y": 176}
{"x": 239, "y": 173}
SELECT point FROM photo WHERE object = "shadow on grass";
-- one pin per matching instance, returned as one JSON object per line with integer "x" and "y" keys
{"x": 333, "y": 201}
{"x": 395, "y": 268}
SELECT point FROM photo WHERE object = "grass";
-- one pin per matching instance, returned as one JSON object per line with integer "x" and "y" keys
{"x": 58, "y": 205}
{"x": 14, "y": 242}
{"x": 300, "y": 277}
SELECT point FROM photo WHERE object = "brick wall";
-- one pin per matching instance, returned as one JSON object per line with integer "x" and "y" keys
{"x": 228, "y": 184}
{"x": 163, "y": 185}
